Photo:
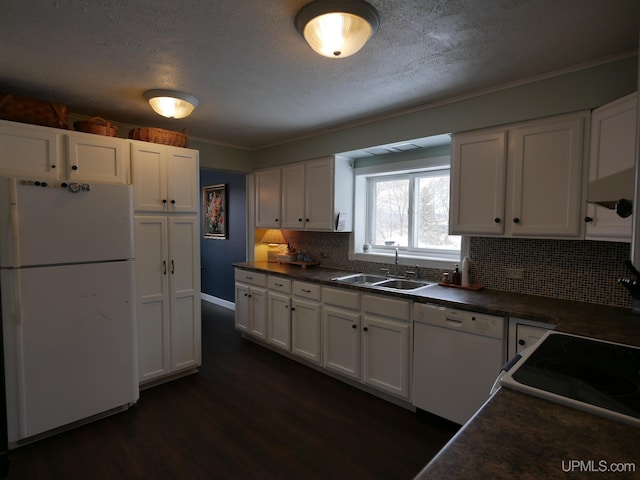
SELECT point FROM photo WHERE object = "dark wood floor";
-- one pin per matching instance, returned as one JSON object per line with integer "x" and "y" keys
{"x": 248, "y": 414}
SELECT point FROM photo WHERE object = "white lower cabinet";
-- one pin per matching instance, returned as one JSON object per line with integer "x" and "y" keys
{"x": 251, "y": 303}
{"x": 306, "y": 327}
{"x": 341, "y": 327}
{"x": 386, "y": 344}
{"x": 524, "y": 333}
{"x": 168, "y": 292}
{"x": 279, "y": 312}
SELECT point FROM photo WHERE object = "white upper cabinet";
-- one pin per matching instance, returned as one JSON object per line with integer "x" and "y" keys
{"x": 95, "y": 158}
{"x": 613, "y": 149}
{"x": 31, "y": 151}
{"x": 478, "y": 174}
{"x": 268, "y": 198}
{"x": 309, "y": 195}
{"x": 545, "y": 185}
{"x": 165, "y": 179}
{"x": 521, "y": 180}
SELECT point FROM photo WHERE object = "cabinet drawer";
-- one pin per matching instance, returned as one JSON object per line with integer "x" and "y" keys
{"x": 307, "y": 290}
{"x": 280, "y": 284}
{"x": 252, "y": 278}
{"x": 341, "y": 298}
{"x": 387, "y": 307}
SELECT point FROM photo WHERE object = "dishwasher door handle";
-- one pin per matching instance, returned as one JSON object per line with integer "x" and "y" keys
{"x": 454, "y": 322}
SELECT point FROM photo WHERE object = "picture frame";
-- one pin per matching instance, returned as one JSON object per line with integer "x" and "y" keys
{"x": 214, "y": 212}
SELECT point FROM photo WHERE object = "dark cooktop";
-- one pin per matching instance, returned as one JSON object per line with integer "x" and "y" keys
{"x": 585, "y": 373}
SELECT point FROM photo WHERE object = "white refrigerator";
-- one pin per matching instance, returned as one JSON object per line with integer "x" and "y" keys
{"x": 68, "y": 304}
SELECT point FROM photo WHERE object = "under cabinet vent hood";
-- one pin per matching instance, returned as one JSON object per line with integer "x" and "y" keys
{"x": 614, "y": 192}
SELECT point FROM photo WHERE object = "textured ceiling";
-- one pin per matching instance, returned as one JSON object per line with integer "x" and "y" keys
{"x": 260, "y": 84}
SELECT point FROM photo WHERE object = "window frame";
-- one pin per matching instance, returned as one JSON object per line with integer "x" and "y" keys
{"x": 363, "y": 203}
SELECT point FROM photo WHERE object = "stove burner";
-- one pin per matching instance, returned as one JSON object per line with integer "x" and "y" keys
{"x": 600, "y": 352}
{"x": 603, "y": 380}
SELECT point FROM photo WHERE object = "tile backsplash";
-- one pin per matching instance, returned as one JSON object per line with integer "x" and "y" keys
{"x": 579, "y": 270}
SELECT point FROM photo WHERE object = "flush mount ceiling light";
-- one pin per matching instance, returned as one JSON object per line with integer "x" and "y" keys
{"x": 337, "y": 28}
{"x": 171, "y": 104}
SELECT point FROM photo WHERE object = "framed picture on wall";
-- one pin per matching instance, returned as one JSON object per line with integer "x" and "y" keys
{"x": 214, "y": 211}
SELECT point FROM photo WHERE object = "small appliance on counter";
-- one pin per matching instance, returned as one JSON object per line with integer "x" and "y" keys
{"x": 588, "y": 374}
{"x": 633, "y": 285}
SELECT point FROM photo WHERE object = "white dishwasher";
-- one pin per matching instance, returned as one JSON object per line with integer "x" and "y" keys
{"x": 456, "y": 357}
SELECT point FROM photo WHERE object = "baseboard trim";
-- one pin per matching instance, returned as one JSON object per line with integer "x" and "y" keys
{"x": 218, "y": 301}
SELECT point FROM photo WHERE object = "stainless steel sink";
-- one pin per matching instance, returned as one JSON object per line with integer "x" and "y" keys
{"x": 402, "y": 284}
{"x": 361, "y": 279}
{"x": 368, "y": 280}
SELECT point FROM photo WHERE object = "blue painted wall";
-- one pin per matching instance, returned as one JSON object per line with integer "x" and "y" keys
{"x": 217, "y": 255}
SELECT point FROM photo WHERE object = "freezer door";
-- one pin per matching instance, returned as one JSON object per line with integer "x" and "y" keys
{"x": 72, "y": 352}
{"x": 52, "y": 225}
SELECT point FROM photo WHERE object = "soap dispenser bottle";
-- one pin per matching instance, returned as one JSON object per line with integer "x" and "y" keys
{"x": 465, "y": 272}
{"x": 455, "y": 276}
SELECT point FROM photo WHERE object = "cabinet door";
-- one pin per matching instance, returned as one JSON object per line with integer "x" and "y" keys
{"x": 293, "y": 196}
{"x": 341, "y": 342}
{"x": 34, "y": 152}
{"x": 319, "y": 211}
{"x": 152, "y": 286}
{"x": 184, "y": 275}
{"x": 149, "y": 176}
{"x": 478, "y": 178}
{"x": 258, "y": 312}
{"x": 386, "y": 354}
{"x": 242, "y": 307}
{"x": 613, "y": 149}
{"x": 183, "y": 184}
{"x": 279, "y": 320}
{"x": 306, "y": 330}
{"x": 92, "y": 158}
{"x": 546, "y": 160}
{"x": 268, "y": 198}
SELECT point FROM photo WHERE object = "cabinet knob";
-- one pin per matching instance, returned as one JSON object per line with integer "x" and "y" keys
{"x": 173, "y": 202}
{"x": 292, "y": 309}
{"x": 516, "y": 220}
{"x": 588, "y": 219}
{"x": 354, "y": 326}
{"x": 53, "y": 166}
{"x": 521, "y": 342}
{"x": 164, "y": 200}
{"x": 276, "y": 220}
{"x": 306, "y": 220}
{"x": 74, "y": 167}
{"x": 299, "y": 219}
{"x": 497, "y": 220}
{"x": 366, "y": 329}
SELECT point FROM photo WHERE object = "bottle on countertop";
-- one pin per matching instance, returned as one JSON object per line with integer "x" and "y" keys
{"x": 465, "y": 272}
{"x": 455, "y": 276}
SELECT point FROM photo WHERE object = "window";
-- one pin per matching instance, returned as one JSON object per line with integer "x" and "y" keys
{"x": 405, "y": 206}
{"x": 411, "y": 212}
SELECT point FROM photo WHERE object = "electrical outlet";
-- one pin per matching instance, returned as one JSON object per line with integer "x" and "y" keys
{"x": 514, "y": 273}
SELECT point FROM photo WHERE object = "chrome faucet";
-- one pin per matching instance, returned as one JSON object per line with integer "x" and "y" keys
{"x": 396, "y": 262}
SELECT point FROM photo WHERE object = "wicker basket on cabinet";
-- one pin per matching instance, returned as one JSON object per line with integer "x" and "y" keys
{"x": 158, "y": 135}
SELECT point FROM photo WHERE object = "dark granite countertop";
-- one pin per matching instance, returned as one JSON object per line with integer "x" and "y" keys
{"x": 515, "y": 435}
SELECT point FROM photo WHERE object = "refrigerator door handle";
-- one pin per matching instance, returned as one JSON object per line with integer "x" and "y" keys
{"x": 15, "y": 230}
{"x": 17, "y": 297}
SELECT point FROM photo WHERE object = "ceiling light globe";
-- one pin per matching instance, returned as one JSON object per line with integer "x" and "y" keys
{"x": 337, "y": 28}
{"x": 171, "y": 104}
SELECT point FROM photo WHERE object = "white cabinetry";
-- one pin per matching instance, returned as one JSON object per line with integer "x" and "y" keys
{"x": 341, "y": 326}
{"x": 165, "y": 179}
{"x": 51, "y": 154}
{"x": 478, "y": 176}
{"x": 307, "y": 195}
{"x": 251, "y": 303}
{"x": 168, "y": 291}
{"x": 544, "y": 179}
{"x": 268, "y": 198}
{"x": 306, "y": 330}
{"x": 95, "y": 158}
{"x": 279, "y": 312}
{"x": 386, "y": 344}
{"x": 613, "y": 149}
{"x": 524, "y": 333}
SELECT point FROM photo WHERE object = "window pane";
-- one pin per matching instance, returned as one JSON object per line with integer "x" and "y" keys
{"x": 391, "y": 212}
{"x": 432, "y": 213}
